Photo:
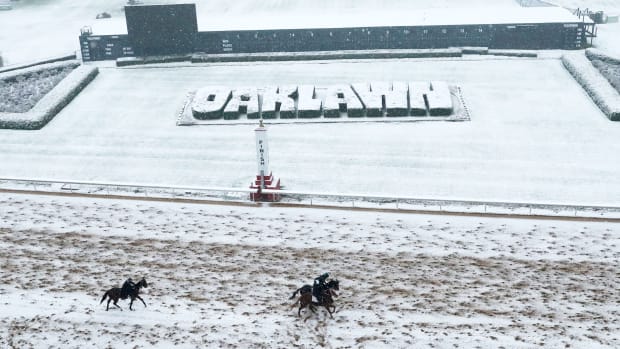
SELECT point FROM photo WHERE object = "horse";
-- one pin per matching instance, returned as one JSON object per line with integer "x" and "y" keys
{"x": 327, "y": 301}
{"x": 114, "y": 294}
{"x": 308, "y": 288}
{"x": 302, "y": 290}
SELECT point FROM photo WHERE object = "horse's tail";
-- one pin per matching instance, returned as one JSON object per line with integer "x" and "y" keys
{"x": 104, "y": 295}
{"x": 295, "y": 293}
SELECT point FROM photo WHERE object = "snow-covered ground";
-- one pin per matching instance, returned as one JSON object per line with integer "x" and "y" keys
{"x": 534, "y": 135}
{"x": 221, "y": 277}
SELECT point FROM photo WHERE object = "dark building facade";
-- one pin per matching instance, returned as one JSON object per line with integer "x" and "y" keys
{"x": 178, "y": 34}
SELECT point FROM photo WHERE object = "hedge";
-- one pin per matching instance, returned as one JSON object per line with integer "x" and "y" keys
{"x": 514, "y": 53}
{"x": 324, "y": 55}
{"x": 594, "y": 54}
{"x": 52, "y": 103}
{"x": 608, "y": 66}
{"x": 599, "y": 89}
{"x": 68, "y": 57}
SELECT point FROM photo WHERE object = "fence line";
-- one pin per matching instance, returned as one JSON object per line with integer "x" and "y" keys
{"x": 369, "y": 201}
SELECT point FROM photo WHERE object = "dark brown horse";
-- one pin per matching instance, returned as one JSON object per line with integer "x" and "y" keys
{"x": 327, "y": 301}
{"x": 114, "y": 294}
{"x": 333, "y": 284}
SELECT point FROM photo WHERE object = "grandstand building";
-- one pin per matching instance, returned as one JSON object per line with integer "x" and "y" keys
{"x": 175, "y": 30}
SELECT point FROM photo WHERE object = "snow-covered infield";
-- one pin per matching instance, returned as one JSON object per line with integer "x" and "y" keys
{"x": 53, "y": 101}
{"x": 596, "y": 85}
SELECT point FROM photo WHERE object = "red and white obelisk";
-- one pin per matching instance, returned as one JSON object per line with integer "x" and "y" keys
{"x": 264, "y": 178}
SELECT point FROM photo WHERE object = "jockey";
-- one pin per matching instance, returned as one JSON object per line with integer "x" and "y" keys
{"x": 319, "y": 286}
{"x": 128, "y": 285}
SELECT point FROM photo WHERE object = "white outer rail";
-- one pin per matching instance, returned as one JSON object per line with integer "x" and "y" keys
{"x": 449, "y": 205}
{"x": 342, "y": 200}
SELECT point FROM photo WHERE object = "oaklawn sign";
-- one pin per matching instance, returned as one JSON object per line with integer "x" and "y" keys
{"x": 333, "y": 103}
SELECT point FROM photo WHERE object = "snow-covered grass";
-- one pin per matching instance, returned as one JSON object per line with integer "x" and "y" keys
{"x": 533, "y": 133}
{"x": 51, "y": 102}
{"x": 221, "y": 277}
{"x": 20, "y": 90}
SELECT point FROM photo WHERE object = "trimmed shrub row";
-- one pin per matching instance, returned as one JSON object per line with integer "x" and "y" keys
{"x": 51, "y": 103}
{"x": 128, "y": 61}
{"x": 607, "y": 65}
{"x": 35, "y": 69}
{"x": 324, "y": 55}
{"x": 599, "y": 89}
{"x": 21, "y": 90}
{"x": 594, "y": 54}
{"x": 475, "y": 50}
{"x": 32, "y": 64}
{"x": 610, "y": 71}
{"x": 514, "y": 53}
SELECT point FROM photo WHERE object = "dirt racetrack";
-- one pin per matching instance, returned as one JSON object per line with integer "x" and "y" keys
{"x": 221, "y": 277}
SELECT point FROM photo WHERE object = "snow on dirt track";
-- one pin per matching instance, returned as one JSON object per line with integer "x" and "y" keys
{"x": 221, "y": 277}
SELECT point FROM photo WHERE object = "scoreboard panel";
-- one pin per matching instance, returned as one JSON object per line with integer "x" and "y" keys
{"x": 162, "y": 29}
